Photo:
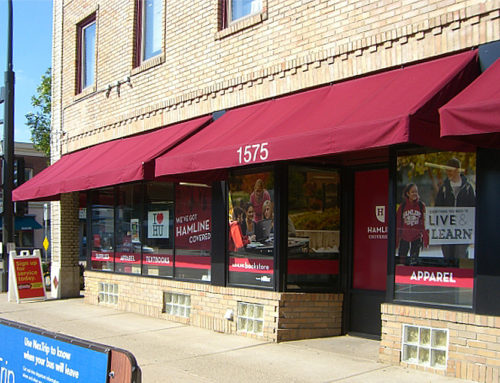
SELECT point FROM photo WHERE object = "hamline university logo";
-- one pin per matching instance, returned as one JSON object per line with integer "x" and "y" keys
{"x": 380, "y": 213}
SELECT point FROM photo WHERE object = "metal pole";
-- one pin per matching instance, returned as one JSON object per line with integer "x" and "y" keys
{"x": 8, "y": 148}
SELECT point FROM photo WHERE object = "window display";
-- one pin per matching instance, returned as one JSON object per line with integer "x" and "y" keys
{"x": 103, "y": 228}
{"x": 251, "y": 229}
{"x": 435, "y": 228}
{"x": 193, "y": 231}
{"x": 313, "y": 229}
{"x": 158, "y": 252}
{"x": 134, "y": 229}
{"x": 127, "y": 216}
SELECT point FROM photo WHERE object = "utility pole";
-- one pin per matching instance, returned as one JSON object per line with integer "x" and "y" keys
{"x": 8, "y": 152}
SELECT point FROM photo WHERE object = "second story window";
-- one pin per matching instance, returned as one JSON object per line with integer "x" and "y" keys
{"x": 239, "y": 9}
{"x": 86, "y": 53}
{"x": 149, "y": 29}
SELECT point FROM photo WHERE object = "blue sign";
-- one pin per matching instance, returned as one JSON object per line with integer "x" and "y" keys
{"x": 29, "y": 357}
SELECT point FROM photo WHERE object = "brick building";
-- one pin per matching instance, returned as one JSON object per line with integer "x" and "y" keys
{"x": 29, "y": 217}
{"x": 281, "y": 170}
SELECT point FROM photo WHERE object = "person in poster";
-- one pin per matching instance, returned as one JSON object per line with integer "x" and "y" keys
{"x": 258, "y": 197}
{"x": 458, "y": 192}
{"x": 248, "y": 224}
{"x": 411, "y": 232}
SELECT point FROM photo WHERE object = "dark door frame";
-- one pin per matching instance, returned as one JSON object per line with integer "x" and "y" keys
{"x": 347, "y": 237}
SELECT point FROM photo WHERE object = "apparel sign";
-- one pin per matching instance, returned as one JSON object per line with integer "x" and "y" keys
{"x": 435, "y": 276}
{"x": 450, "y": 225}
{"x": 158, "y": 224}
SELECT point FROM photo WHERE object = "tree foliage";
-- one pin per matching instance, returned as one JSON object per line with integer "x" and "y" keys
{"x": 420, "y": 164}
{"x": 39, "y": 120}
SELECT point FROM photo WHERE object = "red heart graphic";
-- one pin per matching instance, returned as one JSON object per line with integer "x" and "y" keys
{"x": 159, "y": 218}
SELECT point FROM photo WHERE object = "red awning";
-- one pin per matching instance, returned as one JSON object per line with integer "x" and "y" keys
{"x": 398, "y": 106}
{"x": 475, "y": 113}
{"x": 110, "y": 163}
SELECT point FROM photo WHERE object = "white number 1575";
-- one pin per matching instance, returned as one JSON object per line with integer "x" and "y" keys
{"x": 252, "y": 153}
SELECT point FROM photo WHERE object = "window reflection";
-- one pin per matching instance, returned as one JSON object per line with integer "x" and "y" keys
{"x": 251, "y": 229}
{"x": 313, "y": 229}
{"x": 127, "y": 222}
{"x": 158, "y": 228}
{"x": 435, "y": 228}
{"x": 193, "y": 231}
{"x": 244, "y": 8}
{"x": 102, "y": 223}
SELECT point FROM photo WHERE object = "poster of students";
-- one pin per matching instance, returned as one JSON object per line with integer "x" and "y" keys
{"x": 436, "y": 209}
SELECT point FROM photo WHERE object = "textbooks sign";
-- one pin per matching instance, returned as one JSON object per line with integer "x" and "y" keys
{"x": 29, "y": 357}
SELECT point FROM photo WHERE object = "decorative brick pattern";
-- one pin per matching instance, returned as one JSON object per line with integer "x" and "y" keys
{"x": 473, "y": 345}
{"x": 295, "y": 46}
{"x": 287, "y": 316}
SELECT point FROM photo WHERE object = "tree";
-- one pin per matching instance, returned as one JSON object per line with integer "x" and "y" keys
{"x": 39, "y": 121}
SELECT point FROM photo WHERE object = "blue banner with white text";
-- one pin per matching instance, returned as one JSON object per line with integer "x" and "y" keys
{"x": 30, "y": 357}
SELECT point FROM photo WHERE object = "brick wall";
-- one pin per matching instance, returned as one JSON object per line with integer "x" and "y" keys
{"x": 291, "y": 46}
{"x": 473, "y": 343}
{"x": 65, "y": 272}
{"x": 287, "y": 316}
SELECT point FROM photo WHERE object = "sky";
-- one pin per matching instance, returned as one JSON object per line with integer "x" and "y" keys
{"x": 32, "y": 56}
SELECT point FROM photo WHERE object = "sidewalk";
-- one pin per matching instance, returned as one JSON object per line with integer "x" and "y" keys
{"x": 172, "y": 352}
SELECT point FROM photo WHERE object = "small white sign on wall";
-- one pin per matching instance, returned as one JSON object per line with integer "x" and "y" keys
{"x": 158, "y": 222}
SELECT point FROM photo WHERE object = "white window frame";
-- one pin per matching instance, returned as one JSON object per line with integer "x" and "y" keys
{"x": 85, "y": 57}
{"x": 157, "y": 19}
{"x": 258, "y": 4}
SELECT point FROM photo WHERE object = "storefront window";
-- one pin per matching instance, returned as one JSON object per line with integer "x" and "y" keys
{"x": 101, "y": 213}
{"x": 313, "y": 229}
{"x": 193, "y": 231}
{"x": 127, "y": 223}
{"x": 251, "y": 229}
{"x": 158, "y": 249}
{"x": 435, "y": 228}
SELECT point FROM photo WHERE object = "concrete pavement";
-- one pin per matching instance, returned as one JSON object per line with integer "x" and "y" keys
{"x": 172, "y": 352}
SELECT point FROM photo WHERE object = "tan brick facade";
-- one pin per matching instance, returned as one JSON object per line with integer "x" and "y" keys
{"x": 287, "y": 316}
{"x": 65, "y": 271}
{"x": 473, "y": 344}
{"x": 295, "y": 46}
{"x": 289, "y": 47}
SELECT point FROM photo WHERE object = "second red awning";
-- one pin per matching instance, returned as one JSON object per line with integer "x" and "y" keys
{"x": 399, "y": 106}
{"x": 474, "y": 114}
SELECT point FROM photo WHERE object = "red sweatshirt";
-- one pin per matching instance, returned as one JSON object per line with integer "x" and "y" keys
{"x": 411, "y": 221}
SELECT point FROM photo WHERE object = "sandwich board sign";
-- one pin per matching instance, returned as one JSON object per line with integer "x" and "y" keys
{"x": 26, "y": 276}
